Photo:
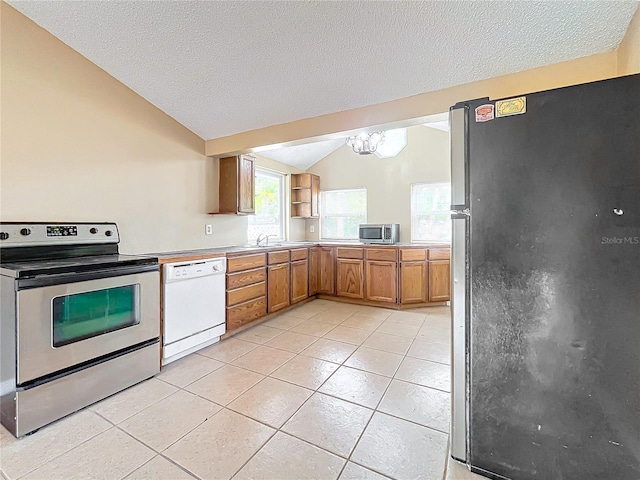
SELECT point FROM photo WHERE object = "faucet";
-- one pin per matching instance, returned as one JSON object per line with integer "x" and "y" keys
{"x": 264, "y": 237}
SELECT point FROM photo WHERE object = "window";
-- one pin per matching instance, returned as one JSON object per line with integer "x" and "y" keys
{"x": 341, "y": 211}
{"x": 430, "y": 212}
{"x": 269, "y": 217}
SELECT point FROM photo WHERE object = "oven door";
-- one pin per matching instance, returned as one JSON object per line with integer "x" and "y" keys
{"x": 371, "y": 233}
{"x": 63, "y": 323}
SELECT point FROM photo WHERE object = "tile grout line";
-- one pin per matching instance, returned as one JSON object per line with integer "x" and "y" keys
{"x": 116, "y": 425}
{"x": 316, "y": 390}
{"x": 355, "y": 446}
{"x": 157, "y": 452}
{"x": 63, "y": 453}
{"x": 279, "y": 429}
{"x": 313, "y": 392}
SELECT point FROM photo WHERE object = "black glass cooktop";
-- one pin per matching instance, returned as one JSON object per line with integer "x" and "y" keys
{"x": 32, "y": 268}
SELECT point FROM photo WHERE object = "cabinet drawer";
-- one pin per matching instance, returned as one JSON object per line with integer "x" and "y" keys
{"x": 299, "y": 254}
{"x": 413, "y": 254}
{"x": 439, "y": 254}
{"x": 245, "y": 262}
{"x": 246, "y": 313}
{"x": 385, "y": 254}
{"x": 243, "y": 294}
{"x": 356, "y": 253}
{"x": 248, "y": 277}
{"x": 281, "y": 256}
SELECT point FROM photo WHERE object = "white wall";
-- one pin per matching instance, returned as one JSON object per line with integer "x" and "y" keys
{"x": 77, "y": 145}
{"x": 388, "y": 180}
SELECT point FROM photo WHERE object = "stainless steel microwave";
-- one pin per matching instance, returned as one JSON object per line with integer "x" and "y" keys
{"x": 388, "y": 233}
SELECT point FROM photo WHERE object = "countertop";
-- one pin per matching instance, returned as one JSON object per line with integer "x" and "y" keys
{"x": 200, "y": 254}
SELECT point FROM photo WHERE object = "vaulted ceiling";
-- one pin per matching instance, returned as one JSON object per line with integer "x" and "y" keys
{"x": 223, "y": 67}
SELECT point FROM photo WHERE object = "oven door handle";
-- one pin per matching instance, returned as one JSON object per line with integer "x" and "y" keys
{"x": 48, "y": 280}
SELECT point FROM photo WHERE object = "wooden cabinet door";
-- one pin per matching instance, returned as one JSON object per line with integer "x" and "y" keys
{"x": 350, "y": 278}
{"x": 314, "y": 270}
{"x": 277, "y": 287}
{"x": 382, "y": 281}
{"x": 439, "y": 281}
{"x": 299, "y": 281}
{"x": 315, "y": 195}
{"x": 413, "y": 282}
{"x": 246, "y": 184}
{"x": 326, "y": 274}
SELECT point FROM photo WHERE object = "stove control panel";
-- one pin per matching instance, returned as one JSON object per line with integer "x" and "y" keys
{"x": 34, "y": 234}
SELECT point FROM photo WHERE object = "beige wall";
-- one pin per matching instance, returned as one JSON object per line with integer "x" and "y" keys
{"x": 77, "y": 145}
{"x": 388, "y": 180}
{"x": 629, "y": 49}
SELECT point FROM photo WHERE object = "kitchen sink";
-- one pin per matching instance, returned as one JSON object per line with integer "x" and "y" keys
{"x": 253, "y": 246}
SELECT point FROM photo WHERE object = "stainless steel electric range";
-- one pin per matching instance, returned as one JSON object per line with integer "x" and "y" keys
{"x": 78, "y": 321}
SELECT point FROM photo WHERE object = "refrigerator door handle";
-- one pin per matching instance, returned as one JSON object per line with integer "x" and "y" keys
{"x": 458, "y": 122}
{"x": 459, "y": 404}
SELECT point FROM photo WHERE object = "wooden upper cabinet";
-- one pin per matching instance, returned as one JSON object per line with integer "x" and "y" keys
{"x": 413, "y": 282}
{"x": 439, "y": 281}
{"x": 350, "y": 278}
{"x": 326, "y": 271}
{"x": 314, "y": 270}
{"x": 278, "y": 285}
{"x": 305, "y": 195}
{"x": 237, "y": 185}
{"x": 299, "y": 280}
{"x": 382, "y": 281}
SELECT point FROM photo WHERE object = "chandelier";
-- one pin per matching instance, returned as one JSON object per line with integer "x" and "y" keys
{"x": 366, "y": 143}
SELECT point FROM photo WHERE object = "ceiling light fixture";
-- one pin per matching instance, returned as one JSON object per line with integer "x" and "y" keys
{"x": 366, "y": 143}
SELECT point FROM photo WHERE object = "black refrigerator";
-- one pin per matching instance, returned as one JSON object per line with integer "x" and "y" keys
{"x": 546, "y": 283}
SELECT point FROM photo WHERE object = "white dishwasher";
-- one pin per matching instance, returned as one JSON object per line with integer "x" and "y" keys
{"x": 194, "y": 306}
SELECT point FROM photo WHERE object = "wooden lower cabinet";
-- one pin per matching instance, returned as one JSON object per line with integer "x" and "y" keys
{"x": 299, "y": 281}
{"x": 278, "y": 285}
{"x": 243, "y": 294}
{"x": 267, "y": 282}
{"x": 244, "y": 313}
{"x": 326, "y": 275}
{"x": 382, "y": 281}
{"x": 439, "y": 281}
{"x": 314, "y": 270}
{"x": 350, "y": 278}
{"x": 413, "y": 282}
{"x": 246, "y": 289}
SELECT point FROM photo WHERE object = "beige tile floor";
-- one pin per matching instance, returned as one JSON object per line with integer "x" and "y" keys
{"x": 324, "y": 391}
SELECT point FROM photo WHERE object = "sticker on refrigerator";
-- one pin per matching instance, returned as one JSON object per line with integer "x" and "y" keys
{"x": 512, "y": 106}
{"x": 484, "y": 113}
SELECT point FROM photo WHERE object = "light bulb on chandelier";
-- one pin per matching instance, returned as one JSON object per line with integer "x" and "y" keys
{"x": 366, "y": 143}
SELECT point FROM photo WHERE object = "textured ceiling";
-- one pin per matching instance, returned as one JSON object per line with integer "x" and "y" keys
{"x": 223, "y": 67}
